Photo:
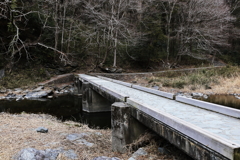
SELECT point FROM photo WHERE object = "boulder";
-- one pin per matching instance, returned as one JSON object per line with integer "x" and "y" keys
{"x": 34, "y": 154}
{"x": 48, "y": 154}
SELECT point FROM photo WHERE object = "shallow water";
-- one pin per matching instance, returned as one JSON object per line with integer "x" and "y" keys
{"x": 226, "y": 100}
{"x": 67, "y": 107}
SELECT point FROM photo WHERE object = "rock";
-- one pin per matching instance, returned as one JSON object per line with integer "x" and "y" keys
{"x": 34, "y": 154}
{"x": 57, "y": 92}
{"x": 197, "y": 94}
{"x": 42, "y": 130}
{"x": 179, "y": 94}
{"x": 26, "y": 91}
{"x": 52, "y": 154}
{"x": 98, "y": 133}
{"x": 75, "y": 136}
{"x": 237, "y": 97}
{"x": 139, "y": 152}
{"x": 19, "y": 97}
{"x": 106, "y": 158}
{"x": 2, "y": 98}
{"x": 205, "y": 96}
{"x": 40, "y": 94}
{"x": 38, "y": 89}
{"x": 70, "y": 154}
{"x": 65, "y": 91}
{"x": 11, "y": 96}
{"x": 4, "y": 90}
{"x": 155, "y": 87}
{"x": 29, "y": 154}
{"x": 18, "y": 90}
{"x": 84, "y": 142}
{"x": 78, "y": 139}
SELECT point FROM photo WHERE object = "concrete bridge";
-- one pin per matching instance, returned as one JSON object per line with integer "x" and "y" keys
{"x": 204, "y": 131}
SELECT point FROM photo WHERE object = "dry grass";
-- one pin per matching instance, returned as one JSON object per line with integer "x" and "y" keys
{"x": 224, "y": 80}
{"x": 18, "y": 132}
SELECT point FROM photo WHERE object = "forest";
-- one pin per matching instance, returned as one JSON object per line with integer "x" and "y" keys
{"x": 114, "y": 33}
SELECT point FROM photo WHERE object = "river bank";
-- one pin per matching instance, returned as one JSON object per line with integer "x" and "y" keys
{"x": 72, "y": 140}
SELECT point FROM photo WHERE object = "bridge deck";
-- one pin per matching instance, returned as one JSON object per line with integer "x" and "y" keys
{"x": 222, "y": 126}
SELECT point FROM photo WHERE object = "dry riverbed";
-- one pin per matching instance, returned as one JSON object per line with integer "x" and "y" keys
{"x": 18, "y": 131}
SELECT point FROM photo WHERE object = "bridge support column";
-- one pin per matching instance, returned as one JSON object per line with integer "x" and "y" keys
{"x": 92, "y": 101}
{"x": 125, "y": 129}
{"x": 77, "y": 86}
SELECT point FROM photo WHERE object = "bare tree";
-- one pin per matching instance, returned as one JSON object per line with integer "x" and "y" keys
{"x": 203, "y": 27}
{"x": 17, "y": 15}
{"x": 168, "y": 7}
{"x": 111, "y": 24}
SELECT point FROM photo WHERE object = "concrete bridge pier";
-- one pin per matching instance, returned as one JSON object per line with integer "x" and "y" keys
{"x": 92, "y": 101}
{"x": 125, "y": 129}
{"x": 77, "y": 86}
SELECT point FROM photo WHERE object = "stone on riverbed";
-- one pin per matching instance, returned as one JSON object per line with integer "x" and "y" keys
{"x": 42, "y": 130}
{"x": 139, "y": 152}
{"x": 38, "y": 89}
{"x": 48, "y": 154}
{"x": 4, "y": 90}
{"x": 78, "y": 139}
{"x": 75, "y": 136}
{"x": 40, "y": 94}
{"x": 197, "y": 94}
{"x": 32, "y": 153}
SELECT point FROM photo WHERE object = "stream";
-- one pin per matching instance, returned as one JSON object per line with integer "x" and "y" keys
{"x": 65, "y": 107}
